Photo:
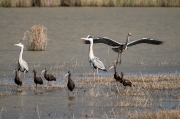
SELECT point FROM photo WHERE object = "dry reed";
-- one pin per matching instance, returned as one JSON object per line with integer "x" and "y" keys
{"x": 36, "y": 39}
{"x": 167, "y": 114}
{"x": 107, "y": 3}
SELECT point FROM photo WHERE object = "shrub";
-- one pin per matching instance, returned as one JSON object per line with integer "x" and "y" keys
{"x": 36, "y": 39}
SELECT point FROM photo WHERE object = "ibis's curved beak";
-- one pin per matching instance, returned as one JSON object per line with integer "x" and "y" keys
{"x": 66, "y": 75}
{"x": 111, "y": 67}
{"x": 14, "y": 71}
{"x": 43, "y": 71}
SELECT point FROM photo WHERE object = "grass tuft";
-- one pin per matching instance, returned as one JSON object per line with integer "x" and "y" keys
{"x": 36, "y": 39}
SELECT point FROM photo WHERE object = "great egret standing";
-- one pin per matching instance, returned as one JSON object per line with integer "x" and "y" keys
{"x": 95, "y": 62}
{"x": 121, "y": 47}
{"x": 22, "y": 65}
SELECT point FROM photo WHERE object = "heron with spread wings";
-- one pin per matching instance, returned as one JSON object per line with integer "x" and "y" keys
{"x": 121, "y": 47}
{"x": 22, "y": 65}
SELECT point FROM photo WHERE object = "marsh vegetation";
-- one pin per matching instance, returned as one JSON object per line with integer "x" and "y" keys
{"x": 36, "y": 39}
{"x": 96, "y": 3}
{"x": 151, "y": 96}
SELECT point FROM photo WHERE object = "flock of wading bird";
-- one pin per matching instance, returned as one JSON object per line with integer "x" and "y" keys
{"x": 95, "y": 62}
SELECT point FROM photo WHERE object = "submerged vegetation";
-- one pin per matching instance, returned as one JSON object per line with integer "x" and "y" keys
{"x": 36, "y": 39}
{"x": 99, "y": 3}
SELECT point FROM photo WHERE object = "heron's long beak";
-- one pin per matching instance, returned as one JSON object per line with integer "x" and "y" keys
{"x": 84, "y": 38}
{"x": 43, "y": 71}
{"x": 66, "y": 75}
{"x": 111, "y": 67}
{"x": 16, "y": 44}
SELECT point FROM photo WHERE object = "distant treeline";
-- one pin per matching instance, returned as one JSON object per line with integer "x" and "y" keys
{"x": 95, "y": 3}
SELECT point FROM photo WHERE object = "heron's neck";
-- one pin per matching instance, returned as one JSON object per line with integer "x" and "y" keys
{"x": 20, "y": 55}
{"x": 127, "y": 40}
{"x": 91, "y": 54}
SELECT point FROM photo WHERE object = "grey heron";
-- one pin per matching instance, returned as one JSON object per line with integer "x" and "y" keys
{"x": 22, "y": 65}
{"x": 95, "y": 62}
{"x": 70, "y": 84}
{"x": 48, "y": 77}
{"x": 121, "y": 47}
{"x": 37, "y": 80}
{"x": 17, "y": 79}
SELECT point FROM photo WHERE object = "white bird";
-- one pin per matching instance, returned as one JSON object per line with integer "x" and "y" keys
{"x": 121, "y": 47}
{"x": 22, "y": 65}
{"x": 95, "y": 62}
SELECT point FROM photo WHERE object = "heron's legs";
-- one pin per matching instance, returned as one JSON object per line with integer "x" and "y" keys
{"x": 94, "y": 74}
{"x": 24, "y": 75}
{"x": 117, "y": 59}
{"x": 120, "y": 59}
{"x": 97, "y": 73}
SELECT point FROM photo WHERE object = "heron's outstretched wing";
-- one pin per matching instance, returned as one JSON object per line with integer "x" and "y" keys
{"x": 115, "y": 49}
{"x": 104, "y": 40}
{"x": 98, "y": 64}
{"x": 145, "y": 40}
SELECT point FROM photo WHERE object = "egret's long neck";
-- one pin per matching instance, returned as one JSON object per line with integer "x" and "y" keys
{"x": 91, "y": 54}
{"x": 20, "y": 55}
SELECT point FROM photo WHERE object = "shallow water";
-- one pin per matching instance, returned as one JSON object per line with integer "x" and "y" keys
{"x": 65, "y": 28}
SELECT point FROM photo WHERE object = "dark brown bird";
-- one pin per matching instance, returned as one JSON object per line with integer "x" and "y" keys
{"x": 17, "y": 79}
{"x": 70, "y": 84}
{"x": 37, "y": 80}
{"x": 48, "y": 77}
{"x": 116, "y": 74}
{"x": 125, "y": 82}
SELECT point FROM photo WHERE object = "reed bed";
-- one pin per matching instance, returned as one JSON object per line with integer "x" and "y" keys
{"x": 98, "y": 3}
{"x": 36, "y": 39}
{"x": 166, "y": 114}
